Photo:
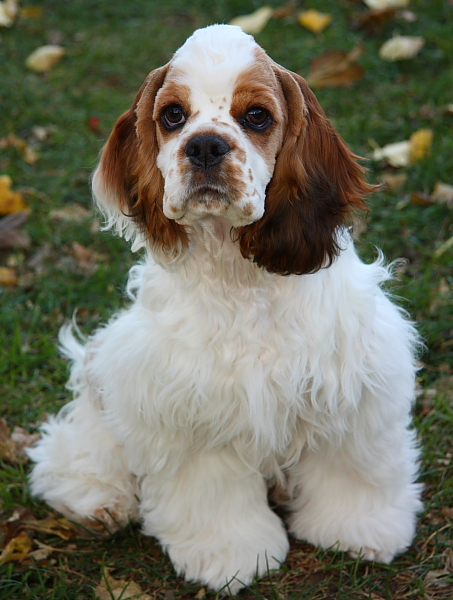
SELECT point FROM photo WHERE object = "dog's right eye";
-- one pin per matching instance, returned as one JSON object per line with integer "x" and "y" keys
{"x": 173, "y": 117}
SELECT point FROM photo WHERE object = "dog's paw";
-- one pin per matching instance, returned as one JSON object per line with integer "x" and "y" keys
{"x": 373, "y": 555}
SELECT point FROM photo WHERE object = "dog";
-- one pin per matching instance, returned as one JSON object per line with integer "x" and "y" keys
{"x": 258, "y": 349}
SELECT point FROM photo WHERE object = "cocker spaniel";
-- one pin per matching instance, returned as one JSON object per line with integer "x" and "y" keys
{"x": 258, "y": 349}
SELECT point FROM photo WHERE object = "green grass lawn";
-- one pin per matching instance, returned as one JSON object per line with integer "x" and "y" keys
{"x": 110, "y": 48}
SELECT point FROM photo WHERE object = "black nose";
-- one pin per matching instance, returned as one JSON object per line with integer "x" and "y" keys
{"x": 206, "y": 150}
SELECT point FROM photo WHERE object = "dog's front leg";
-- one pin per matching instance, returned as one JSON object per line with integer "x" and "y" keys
{"x": 213, "y": 519}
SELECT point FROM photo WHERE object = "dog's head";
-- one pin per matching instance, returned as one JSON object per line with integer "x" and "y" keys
{"x": 222, "y": 130}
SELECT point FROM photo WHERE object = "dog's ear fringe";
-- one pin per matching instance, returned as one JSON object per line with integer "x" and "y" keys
{"x": 317, "y": 181}
{"x": 128, "y": 185}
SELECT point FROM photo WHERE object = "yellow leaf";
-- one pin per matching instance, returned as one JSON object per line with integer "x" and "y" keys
{"x": 61, "y": 527}
{"x": 10, "y": 202}
{"x": 16, "y": 549}
{"x": 401, "y": 47}
{"x": 44, "y": 58}
{"x": 255, "y": 22}
{"x": 315, "y": 21}
{"x": 420, "y": 144}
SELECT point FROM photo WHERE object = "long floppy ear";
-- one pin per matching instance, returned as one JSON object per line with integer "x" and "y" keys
{"x": 128, "y": 186}
{"x": 316, "y": 182}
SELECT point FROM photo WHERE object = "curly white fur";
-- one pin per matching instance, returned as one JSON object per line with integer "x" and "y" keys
{"x": 221, "y": 379}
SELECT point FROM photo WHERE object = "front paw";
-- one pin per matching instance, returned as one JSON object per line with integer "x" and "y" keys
{"x": 228, "y": 565}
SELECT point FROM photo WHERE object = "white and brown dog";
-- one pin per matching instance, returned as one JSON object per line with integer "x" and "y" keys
{"x": 258, "y": 349}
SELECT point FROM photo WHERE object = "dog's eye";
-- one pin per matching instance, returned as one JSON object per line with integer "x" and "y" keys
{"x": 257, "y": 118}
{"x": 173, "y": 117}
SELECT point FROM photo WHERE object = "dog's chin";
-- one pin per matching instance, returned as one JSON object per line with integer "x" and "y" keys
{"x": 210, "y": 201}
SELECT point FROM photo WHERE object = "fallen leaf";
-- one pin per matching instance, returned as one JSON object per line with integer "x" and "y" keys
{"x": 115, "y": 589}
{"x": 23, "y": 439}
{"x": 94, "y": 123}
{"x": 10, "y": 234}
{"x": 401, "y": 48}
{"x": 31, "y": 12}
{"x": 443, "y": 193}
{"x": 314, "y": 20}
{"x": 61, "y": 527}
{"x": 396, "y": 154}
{"x": 255, "y": 22}
{"x": 16, "y": 549}
{"x": 7, "y": 446}
{"x": 422, "y": 199}
{"x": 336, "y": 69}
{"x": 8, "y": 276}
{"x": 380, "y": 4}
{"x": 44, "y": 58}
{"x": 10, "y": 202}
{"x": 8, "y": 12}
{"x": 373, "y": 20}
{"x": 285, "y": 11}
{"x": 29, "y": 154}
{"x": 394, "y": 181}
{"x": 420, "y": 144}
{"x": 71, "y": 213}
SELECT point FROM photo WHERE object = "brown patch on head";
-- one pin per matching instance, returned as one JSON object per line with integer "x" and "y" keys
{"x": 128, "y": 169}
{"x": 317, "y": 181}
{"x": 171, "y": 93}
{"x": 258, "y": 86}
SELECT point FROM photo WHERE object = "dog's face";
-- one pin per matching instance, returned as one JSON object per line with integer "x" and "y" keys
{"x": 220, "y": 125}
{"x": 222, "y": 130}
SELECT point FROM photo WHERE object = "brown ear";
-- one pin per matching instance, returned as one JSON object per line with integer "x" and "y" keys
{"x": 316, "y": 182}
{"x": 128, "y": 181}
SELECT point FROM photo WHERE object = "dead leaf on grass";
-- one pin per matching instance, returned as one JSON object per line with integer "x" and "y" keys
{"x": 10, "y": 202}
{"x": 394, "y": 181}
{"x": 373, "y": 20}
{"x": 72, "y": 213}
{"x": 8, "y": 276}
{"x": 287, "y": 10}
{"x": 254, "y": 22}
{"x": 61, "y": 527}
{"x": 380, "y": 4}
{"x": 87, "y": 260}
{"x": 443, "y": 193}
{"x": 336, "y": 69}
{"x": 8, "y": 12}
{"x": 314, "y": 20}
{"x": 401, "y": 48}
{"x": 13, "y": 445}
{"x": 28, "y": 153}
{"x": 11, "y": 236}
{"x": 16, "y": 549}
{"x": 402, "y": 154}
{"x": 44, "y": 58}
{"x": 114, "y": 589}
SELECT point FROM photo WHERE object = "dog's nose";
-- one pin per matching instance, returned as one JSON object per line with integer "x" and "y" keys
{"x": 206, "y": 150}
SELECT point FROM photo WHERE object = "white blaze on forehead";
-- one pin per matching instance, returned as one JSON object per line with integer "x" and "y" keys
{"x": 213, "y": 58}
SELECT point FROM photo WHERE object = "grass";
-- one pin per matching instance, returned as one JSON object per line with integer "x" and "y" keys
{"x": 110, "y": 47}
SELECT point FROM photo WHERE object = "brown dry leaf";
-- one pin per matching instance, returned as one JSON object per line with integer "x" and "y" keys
{"x": 8, "y": 276}
{"x": 373, "y": 20}
{"x": 401, "y": 47}
{"x": 336, "y": 69}
{"x": 422, "y": 199}
{"x": 61, "y": 527}
{"x": 10, "y": 234}
{"x": 10, "y": 202}
{"x": 8, "y": 12}
{"x": 114, "y": 589}
{"x": 314, "y": 20}
{"x": 7, "y": 445}
{"x": 255, "y": 22}
{"x": 87, "y": 260}
{"x": 420, "y": 144}
{"x": 29, "y": 154}
{"x": 394, "y": 181}
{"x": 31, "y": 12}
{"x": 13, "y": 445}
{"x": 44, "y": 58}
{"x": 72, "y": 213}
{"x": 16, "y": 549}
{"x": 285, "y": 11}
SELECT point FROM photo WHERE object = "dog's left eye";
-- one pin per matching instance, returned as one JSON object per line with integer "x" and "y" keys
{"x": 173, "y": 117}
{"x": 257, "y": 118}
